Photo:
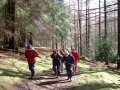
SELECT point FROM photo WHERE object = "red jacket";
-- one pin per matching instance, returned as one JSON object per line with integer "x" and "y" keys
{"x": 62, "y": 53}
{"x": 76, "y": 56}
{"x": 30, "y": 55}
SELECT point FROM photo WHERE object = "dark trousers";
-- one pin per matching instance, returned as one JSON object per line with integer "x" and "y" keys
{"x": 31, "y": 68}
{"x": 61, "y": 67}
{"x": 69, "y": 71}
{"x": 56, "y": 69}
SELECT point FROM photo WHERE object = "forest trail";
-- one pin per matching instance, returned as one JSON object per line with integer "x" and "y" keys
{"x": 46, "y": 81}
{"x": 91, "y": 76}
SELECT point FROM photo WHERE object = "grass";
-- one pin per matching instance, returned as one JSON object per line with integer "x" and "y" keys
{"x": 92, "y": 78}
{"x": 13, "y": 70}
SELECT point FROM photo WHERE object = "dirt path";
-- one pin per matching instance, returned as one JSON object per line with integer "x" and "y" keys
{"x": 46, "y": 81}
{"x": 43, "y": 81}
{"x": 92, "y": 76}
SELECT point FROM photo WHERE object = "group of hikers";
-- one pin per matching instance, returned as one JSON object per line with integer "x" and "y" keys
{"x": 59, "y": 59}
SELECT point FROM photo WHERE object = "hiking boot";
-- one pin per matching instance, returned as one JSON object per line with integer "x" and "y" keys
{"x": 67, "y": 79}
{"x": 70, "y": 80}
{"x": 31, "y": 78}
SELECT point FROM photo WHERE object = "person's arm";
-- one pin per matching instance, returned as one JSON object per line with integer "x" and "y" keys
{"x": 63, "y": 60}
{"x": 52, "y": 56}
{"x": 72, "y": 60}
{"x": 78, "y": 57}
{"x": 60, "y": 56}
{"x": 36, "y": 53}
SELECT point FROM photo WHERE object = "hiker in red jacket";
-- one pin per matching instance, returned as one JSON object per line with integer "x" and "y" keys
{"x": 30, "y": 54}
{"x": 77, "y": 59}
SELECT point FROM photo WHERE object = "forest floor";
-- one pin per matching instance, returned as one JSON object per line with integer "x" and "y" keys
{"x": 14, "y": 74}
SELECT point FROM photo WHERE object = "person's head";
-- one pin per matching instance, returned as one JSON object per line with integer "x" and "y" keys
{"x": 68, "y": 49}
{"x": 73, "y": 49}
{"x": 66, "y": 53}
{"x": 29, "y": 46}
{"x": 55, "y": 51}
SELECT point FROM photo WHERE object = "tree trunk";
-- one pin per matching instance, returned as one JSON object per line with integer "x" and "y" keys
{"x": 88, "y": 45}
{"x": 105, "y": 25}
{"x": 30, "y": 41}
{"x": 56, "y": 44}
{"x": 22, "y": 41}
{"x": 105, "y": 19}
{"x": 11, "y": 23}
{"x": 10, "y": 26}
{"x": 86, "y": 26}
{"x": 118, "y": 62}
{"x": 79, "y": 17}
{"x": 75, "y": 41}
{"x": 95, "y": 32}
{"x": 99, "y": 19}
{"x": 62, "y": 44}
{"x": 52, "y": 40}
{"x": 115, "y": 24}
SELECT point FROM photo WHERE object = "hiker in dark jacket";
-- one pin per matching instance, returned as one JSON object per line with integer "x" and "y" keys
{"x": 30, "y": 54}
{"x": 56, "y": 57}
{"x": 69, "y": 62}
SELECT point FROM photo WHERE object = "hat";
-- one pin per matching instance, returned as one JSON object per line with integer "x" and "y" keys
{"x": 73, "y": 49}
{"x": 66, "y": 52}
{"x": 55, "y": 50}
{"x": 29, "y": 46}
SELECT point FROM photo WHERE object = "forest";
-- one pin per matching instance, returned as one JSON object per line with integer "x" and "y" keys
{"x": 91, "y": 27}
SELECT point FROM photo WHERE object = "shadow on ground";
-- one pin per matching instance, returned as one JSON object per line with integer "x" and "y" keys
{"x": 11, "y": 73}
{"x": 98, "y": 86}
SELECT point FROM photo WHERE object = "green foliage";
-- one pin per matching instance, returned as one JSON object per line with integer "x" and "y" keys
{"x": 27, "y": 12}
{"x": 2, "y": 12}
{"x": 105, "y": 49}
{"x": 31, "y": 27}
{"x": 58, "y": 19}
{"x": 2, "y": 3}
{"x": 24, "y": 12}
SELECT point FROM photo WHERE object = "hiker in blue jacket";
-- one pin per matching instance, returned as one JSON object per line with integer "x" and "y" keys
{"x": 69, "y": 62}
{"x": 56, "y": 61}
